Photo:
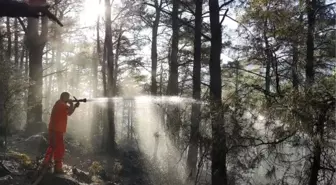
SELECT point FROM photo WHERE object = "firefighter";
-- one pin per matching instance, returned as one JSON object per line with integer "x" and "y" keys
{"x": 57, "y": 129}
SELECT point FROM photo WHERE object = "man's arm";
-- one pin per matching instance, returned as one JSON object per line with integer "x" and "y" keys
{"x": 71, "y": 109}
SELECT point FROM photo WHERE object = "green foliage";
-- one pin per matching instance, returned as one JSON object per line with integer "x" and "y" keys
{"x": 95, "y": 168}
{"x": 22, "y": 158}
{"x": 12, "y": 86}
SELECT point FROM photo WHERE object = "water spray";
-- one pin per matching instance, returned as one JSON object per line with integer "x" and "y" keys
{"x": 143, "y": 99}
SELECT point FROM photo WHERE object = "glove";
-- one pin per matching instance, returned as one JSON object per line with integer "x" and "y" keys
{"x": 70, "y": 103}
{"x": 77, "y": 104}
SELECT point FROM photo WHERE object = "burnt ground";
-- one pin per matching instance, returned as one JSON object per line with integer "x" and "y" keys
{"x": 126, "y": 167}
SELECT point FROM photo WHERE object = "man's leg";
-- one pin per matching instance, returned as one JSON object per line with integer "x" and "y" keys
{"x": 59, "y": 152}
{"x": 50, "y": 150}
{"x": 48, "y": 155}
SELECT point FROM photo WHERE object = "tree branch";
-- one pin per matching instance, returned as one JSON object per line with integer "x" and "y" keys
{"x": 186, "y": 6}
{"x": 326, "y": 168}
{"x": 257, "y": 87}
{"x": 54, "y": 73}
{"x": 185, "y": 63}
{"x": 224, "y": 16}
{"x": 261, "y": 142}
{"x": 205, "y": 84}
{"x": 180, "y": 20}
{"x": 325, "y": 6}
{"x": 240, "y": 25}
{"x": 225, "y": 4}
{"x": 55, "y": 4}
{"x": 245, "y": 70}
{"x": 22, "y": 24}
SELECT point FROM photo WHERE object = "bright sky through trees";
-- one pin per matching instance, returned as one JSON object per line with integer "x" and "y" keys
{"x": 91, "y": 10}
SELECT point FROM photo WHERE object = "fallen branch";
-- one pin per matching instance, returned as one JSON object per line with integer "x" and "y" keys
{"x": 5, "y": 168}
{"x": 54, "y": 73}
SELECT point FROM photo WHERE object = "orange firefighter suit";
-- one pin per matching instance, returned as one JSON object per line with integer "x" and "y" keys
{"x": 57, "y": 128}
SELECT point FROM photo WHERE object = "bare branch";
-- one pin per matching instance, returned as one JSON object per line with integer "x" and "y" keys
{"x": 325, "y": 6}
{"x": 205, "y": 84}
{"x": 329, "y": 169}
{"x": 180, "y": 20}
{"x": 224, "y": 16}
{"x": 261, "y": 142}
{"x": 240, "y": 25}
{"x": 245, "y": 70}
{"x": 186, "y": 6}
{"x": 225, "y": 4}
{"x": 22, "y": 24}
{"x": 54, "y": 73}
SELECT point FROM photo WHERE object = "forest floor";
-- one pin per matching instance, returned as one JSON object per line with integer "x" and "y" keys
{"x": 126, "y": 167}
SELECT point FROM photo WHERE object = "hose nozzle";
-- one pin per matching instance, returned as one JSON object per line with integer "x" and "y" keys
{"x": 75, "y": 100}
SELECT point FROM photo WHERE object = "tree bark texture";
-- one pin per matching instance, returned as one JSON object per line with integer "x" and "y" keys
{"x": 110, "y": 64}
{"x": 218, "y": 153}
{"x": 195, "y": 114}
{"x": 154, "y": 46}
{"x": 35, "y": 43}
{"x": 172, "y": 89}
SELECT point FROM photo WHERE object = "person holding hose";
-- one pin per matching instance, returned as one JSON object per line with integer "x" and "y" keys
{"x": 57, "y": 129}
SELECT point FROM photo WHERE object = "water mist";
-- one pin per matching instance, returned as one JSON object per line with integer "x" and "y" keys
{"x": 149, "y": 126}
{"x": 152, "y": 138}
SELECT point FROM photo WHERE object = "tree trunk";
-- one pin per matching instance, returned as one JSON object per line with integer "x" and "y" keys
{"x": 58, "y": 50}
{"x": 116, "y": 64}
{"x": 173, "y": 68}
{"x": 295, "y": 79}
{"x": 318, "y": 141}
{"x": 47, "y": 90}
{"x": 96, "y": 61}
{"x": 35, "y": 44}
{"x": 2, "y": 88}
{"x": 161, "y": 80}
{"x": 26, "y": 62}
{"x": 296, "y": 55}
{"x": 172, "y": 89}
{"x": 275, "y": 67}
{"x": 9, "y": 40}
{"x": 104, "y": 70}
{"x": 22, "y": 58}
{"x": 53, "y": 59}
{"x": 60, "y": 79}
{"x": 16, "y": 43}
{"x": 195, "y": 114}
{"x": 154, "y": 46}
{"x": 310, "y": 75}
{"x": 268, "y": 61}
{"x": 50, "y": 81}
{"x": 110, "y": 63}
{"x": 311, "y": 9}
{"x": 218, "y": 153}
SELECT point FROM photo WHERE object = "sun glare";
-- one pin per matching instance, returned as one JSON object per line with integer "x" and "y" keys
{"x": 92, "y": 9}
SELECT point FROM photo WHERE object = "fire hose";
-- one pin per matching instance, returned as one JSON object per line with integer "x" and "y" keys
{"x": 75, "y": 100}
